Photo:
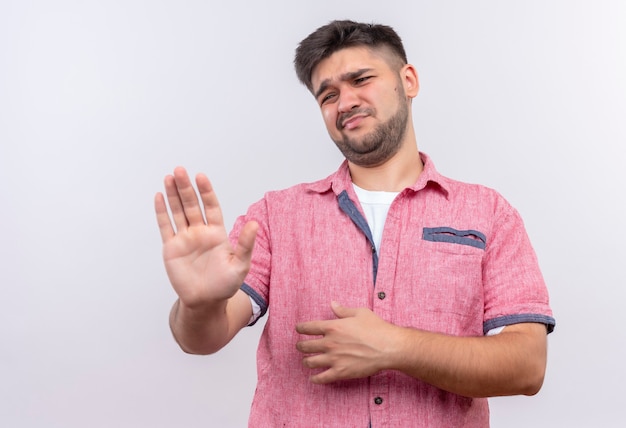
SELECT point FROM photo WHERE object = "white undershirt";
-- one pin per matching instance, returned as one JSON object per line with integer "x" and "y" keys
{"x": 375, "y": 206}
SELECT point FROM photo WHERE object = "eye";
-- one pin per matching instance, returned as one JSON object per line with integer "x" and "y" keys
{"x": 326, "y": 97}
{"x": 362, "y": 79}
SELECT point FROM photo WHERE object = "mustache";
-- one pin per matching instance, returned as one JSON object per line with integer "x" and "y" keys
{"x": 342, "y": 118}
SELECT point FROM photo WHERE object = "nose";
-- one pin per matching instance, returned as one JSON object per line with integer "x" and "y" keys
{"x": 348, "y": 100}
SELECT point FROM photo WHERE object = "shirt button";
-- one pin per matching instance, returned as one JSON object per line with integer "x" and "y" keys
{"x": 378, "y": 401}
{"x": 381, "y": 295}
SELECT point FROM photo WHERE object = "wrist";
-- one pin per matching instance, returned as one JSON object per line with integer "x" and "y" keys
{"x": 402, "y": 350}
{"x": 199, "y": 310}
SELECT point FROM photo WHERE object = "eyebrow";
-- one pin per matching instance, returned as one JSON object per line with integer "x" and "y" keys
{"x": 344, "y": 77}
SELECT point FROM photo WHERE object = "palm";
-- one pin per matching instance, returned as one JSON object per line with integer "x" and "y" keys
{"x": 200, "y": 261}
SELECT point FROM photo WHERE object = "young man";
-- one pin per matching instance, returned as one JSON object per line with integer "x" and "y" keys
{"x": 399, "y": 297}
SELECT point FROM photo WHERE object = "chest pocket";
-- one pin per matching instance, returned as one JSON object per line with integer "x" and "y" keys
{"x": 449, "y": 291}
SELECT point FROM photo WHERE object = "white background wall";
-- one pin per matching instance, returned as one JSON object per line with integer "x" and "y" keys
{"x": 99, "y": 100}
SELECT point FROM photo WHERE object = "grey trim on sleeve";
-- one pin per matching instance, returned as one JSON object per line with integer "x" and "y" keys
{"x": 518, "y": 319}
{"x": 257, "y": 298}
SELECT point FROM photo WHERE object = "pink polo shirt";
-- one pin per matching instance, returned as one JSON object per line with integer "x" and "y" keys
{"x": 455, "y": 258}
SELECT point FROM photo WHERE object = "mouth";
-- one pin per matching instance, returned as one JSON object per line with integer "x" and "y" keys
{"x": 352, "y": 121}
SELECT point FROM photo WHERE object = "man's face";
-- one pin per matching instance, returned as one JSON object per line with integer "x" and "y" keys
{"x": 363, "y": 103}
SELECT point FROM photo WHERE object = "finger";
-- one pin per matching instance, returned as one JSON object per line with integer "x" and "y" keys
{"x": 311, "y": 328}
{"x": 245, "y": 242}
{"x": 331, "y": 374}
{"x": 211, "y": 205}
{"x": 327, "y": 376}
{"x": 188, "y": 197}
{"x": 176, "y": 206}
{"x": 319, "y": 361}
{"x": 342, "y": 311}
{"x": 313, "y": 346}
{"x": 163, "y": 218}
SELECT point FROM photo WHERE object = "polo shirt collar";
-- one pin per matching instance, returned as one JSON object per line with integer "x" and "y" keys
{"x": 340, "y": 180}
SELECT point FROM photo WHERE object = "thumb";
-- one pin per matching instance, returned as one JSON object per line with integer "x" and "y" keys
{"x": 245, "y": 242}
{"x": 341, "y": 311}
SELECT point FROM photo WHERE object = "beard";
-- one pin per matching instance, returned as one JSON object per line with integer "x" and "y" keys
{"x": 382, "y": 143}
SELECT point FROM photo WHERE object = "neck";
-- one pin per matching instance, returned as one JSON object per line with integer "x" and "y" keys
{"x": 394, "y": 175}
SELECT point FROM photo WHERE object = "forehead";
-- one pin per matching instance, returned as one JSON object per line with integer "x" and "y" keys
{"x": 348, "y": 60}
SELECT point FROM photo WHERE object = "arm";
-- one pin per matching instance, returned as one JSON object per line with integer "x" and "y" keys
{"x": 360, "y": 344}
{"x": 509, "y": 363}
{"x": 207, "y": 329}
{"x": 204, "y": 269}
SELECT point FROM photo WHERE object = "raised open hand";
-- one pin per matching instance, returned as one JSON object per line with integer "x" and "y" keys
{"x": 200, "y": 261}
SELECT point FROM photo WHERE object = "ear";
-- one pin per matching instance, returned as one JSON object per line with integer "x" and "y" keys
{"x": 410, "y": 80}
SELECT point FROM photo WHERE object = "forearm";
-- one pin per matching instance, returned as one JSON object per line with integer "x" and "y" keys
{"x": 207, "y": 329}
{"x": 510, "y": 363}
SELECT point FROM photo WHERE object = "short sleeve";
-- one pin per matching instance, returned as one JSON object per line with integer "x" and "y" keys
{"x": 514, "y": 288}
{"x": 256, "y": 283}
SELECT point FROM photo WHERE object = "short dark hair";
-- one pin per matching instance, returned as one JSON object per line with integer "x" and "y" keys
{"x": 338, "y": 35}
